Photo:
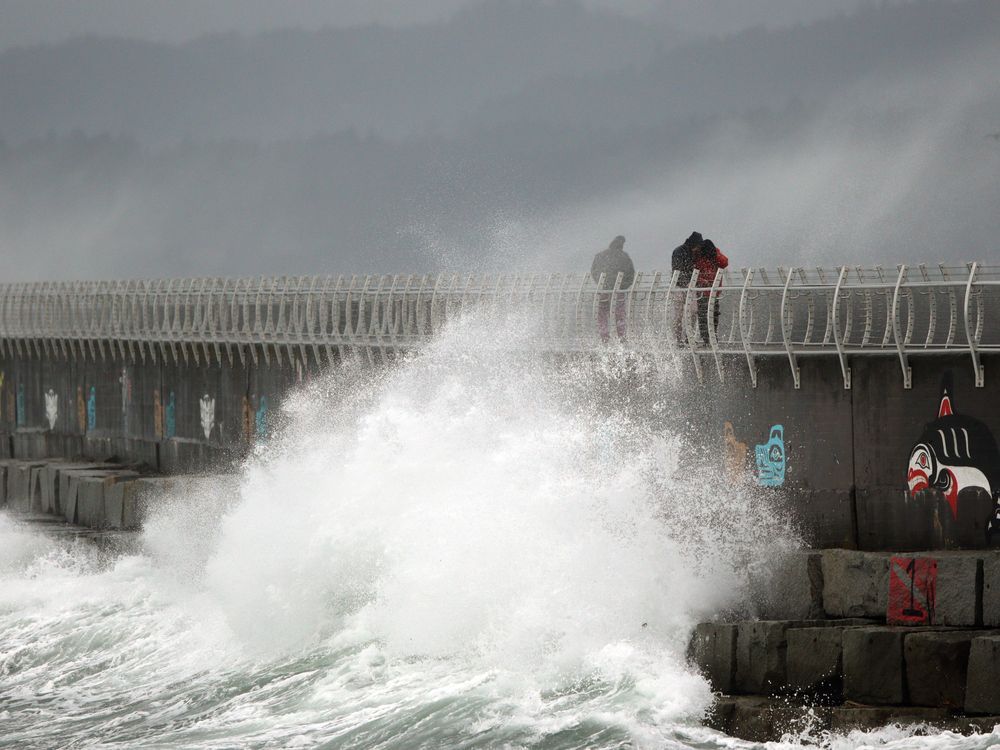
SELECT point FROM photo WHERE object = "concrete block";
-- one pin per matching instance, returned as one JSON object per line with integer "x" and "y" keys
{"x": 936, "y": 667}
{"x": 755, "y": 718}
{"x": 92, "y": 503}
{"x": 51, "y": 486}
{"x": 113, "y": 498}
{"x": 761, "y": 648}
{"x": 35, "y": 488}
{"x": 19, "y": 485}
{"x": 70, "y": 491}
{"x": 873, "y": 665}
{"x": 792, "y": 588}
{"x": 991, "y": 589}
{"x": 845, "y": 719}
{"x": 29, "y": 444}
{"x": 981, "y": 693}
{"x": 713, "y": 651}
{"x": 814, "y": 659}
{"x": 959, "y": 591}
{"x": 3, "y": 484}
{"x": 855, "y": 584}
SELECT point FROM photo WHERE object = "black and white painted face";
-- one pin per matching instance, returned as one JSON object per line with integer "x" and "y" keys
{"x": 922, "y": 469}
{"x": 927, "y": 470}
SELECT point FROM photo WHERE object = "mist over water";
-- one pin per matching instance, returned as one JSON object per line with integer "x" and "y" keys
{"x": 473, "y": 547}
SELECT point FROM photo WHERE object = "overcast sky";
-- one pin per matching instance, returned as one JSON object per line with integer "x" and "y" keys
{"x": 30, "y": 22}
{"x": 484, "y": 135}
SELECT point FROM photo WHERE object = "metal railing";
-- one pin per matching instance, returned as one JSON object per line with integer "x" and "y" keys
{"x": 792, "y": 313}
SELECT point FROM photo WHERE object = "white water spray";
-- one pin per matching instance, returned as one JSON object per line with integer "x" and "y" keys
{"x": 474, "y": 546}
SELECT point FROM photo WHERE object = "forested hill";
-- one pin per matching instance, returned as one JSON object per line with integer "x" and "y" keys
{"x": 515, "y": 134}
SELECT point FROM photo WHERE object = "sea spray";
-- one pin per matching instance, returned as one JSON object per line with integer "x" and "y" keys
{"x": 473, "y": 545}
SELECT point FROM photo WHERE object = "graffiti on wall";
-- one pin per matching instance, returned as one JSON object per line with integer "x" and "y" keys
{"x": 81, "y": 409}
{"x": 735, "y": 452}
{"x": 254, "y": 421}
{"x": 51, "y": 407}
{"x": 207, "y": 404}
{"x": 126, "y": 391}
{"x": 955, "y": 452}
{"x": 912, "y": 591}
{"x": 170, "y": 416}
{"x": 20, "y": 405}
{"x": 92, "y": 409}
{"x": 157, "y": 414}
{"x": 770, "y": 458}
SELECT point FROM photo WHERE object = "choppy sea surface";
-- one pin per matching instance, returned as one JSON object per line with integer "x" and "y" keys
{"x": 472, "y": 548}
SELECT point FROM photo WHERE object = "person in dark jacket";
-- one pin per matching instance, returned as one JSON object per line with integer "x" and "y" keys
{"x": 613, "y": 272}
{"x": 708, "y": 260}
{"x": 682, "y": 258}
{"x": 682, "y": 261}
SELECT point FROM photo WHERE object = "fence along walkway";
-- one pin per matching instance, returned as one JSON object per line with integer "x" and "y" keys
{"x": 793, "y": 313}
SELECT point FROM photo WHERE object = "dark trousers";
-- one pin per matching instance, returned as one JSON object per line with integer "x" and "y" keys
{"x": 703, "y": 318}
{"x": 604, "y": 313}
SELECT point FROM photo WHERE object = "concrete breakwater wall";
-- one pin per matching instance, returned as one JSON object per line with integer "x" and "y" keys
{"x": 90, "y": 494}
{"x": 171, "y": 416}
{"x": 852, "y": 639}
{"x": 844, "y": 463}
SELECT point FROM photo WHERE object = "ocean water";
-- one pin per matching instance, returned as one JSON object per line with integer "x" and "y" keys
{"x": 472, "y": 548}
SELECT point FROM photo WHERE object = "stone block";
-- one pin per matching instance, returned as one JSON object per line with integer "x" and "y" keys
{"x": 792, "y": 588}
{"x": 29, "y": 444}
{"x": 991, "y": 589}
{"x": 959, "y": 591}
{"x": 755, "y": 718}
{"x": 855, "y": 584}
{"x": 113, "y": 498}
{"x": 815, "y": 659}
{"x": 51, "y": 485}
{"x": 19, "y": 485}
{"x": 845, "y": 719}
{"x": 761, "y": 648}
{"x": 981, "y": 693}
{"x": 70, "y": 492}
{"x": 92, "y": 503}
{"x": 35, "y": 489}
{"x": 713, "y": 651}
{"x": 936, "y": 667}
{"x": 873, "y": 665}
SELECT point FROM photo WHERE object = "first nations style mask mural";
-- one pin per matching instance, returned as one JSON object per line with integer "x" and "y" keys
{"x": 956, "y": 452}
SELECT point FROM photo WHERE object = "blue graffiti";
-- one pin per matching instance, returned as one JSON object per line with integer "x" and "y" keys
{"x": 169, "y": 416}
{"x": 92, "y": 409}
{"x": 771, "y": 459}
{"x": 20, "y": 405}
{"x": 261, "y": 417}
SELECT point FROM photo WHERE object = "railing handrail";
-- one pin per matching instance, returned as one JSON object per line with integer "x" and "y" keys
{"x": 795, "y": 313}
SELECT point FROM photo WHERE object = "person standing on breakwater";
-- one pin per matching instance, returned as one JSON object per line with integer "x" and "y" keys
{"x": 682, "y": 261}
{"x": 609, "y": 264}
{"x": 709, "y": 260}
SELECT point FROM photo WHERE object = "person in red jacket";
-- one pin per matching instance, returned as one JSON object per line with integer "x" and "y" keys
{"x": 708, "y": 260}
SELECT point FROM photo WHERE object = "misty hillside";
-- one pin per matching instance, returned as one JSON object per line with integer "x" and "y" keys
{"x": 492, "y": 141}
{"x": 289, "y": 84}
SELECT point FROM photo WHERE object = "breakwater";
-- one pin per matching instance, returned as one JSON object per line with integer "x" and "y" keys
{"x": 839, "y": 460}
{"x": 871, "y": 449}
{"x": 848, "y": 639}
